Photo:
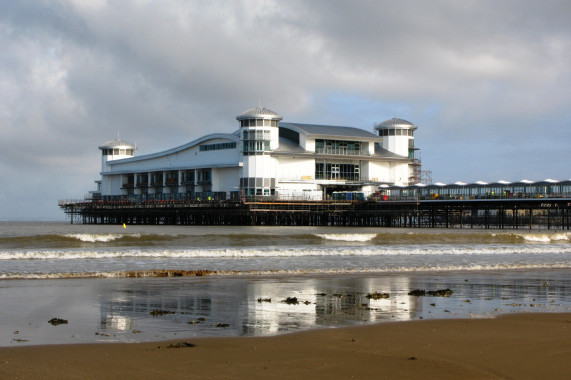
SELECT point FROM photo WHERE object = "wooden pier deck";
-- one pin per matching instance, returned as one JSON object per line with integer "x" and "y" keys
{"x": 543, "y": 213}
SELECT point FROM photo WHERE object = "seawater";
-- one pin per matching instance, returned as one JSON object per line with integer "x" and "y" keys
{"x": 84, "y": 274}
{"x": 61, "y": 250}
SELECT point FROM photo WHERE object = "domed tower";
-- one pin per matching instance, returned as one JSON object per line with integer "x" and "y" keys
{"x": 259, "y": 135}
{"x": 398, "y": 137}
{"x": 115, "y": 150}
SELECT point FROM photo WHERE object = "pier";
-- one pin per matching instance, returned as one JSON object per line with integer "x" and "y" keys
{"x": 510, "y": 213}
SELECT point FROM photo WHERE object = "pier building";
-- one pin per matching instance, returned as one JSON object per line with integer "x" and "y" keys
{"x": 264, "y": 158}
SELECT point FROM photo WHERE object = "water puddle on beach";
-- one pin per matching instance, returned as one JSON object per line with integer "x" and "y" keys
{"x": 135, "y": 310}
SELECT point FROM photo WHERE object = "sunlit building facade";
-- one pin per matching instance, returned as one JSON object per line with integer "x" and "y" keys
{"x": 265, "y": 157}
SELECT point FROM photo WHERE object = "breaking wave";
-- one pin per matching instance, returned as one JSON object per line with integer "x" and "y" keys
{"x": 252, "y": 252}
{"x": 103, "y": 238}
{"x": 347, "y": 237}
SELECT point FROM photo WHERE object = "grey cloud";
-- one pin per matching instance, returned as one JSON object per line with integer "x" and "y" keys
{"x": 480, "y": 78}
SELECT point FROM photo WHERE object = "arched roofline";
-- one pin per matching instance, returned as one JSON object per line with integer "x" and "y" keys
{"x": 228, "y": 136}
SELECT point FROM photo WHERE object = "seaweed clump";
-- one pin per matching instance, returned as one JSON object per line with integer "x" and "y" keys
{"x": 181, "y": 345}
{"x": 291, "y": 301}
{"x": 378, "y": 296}
{"x": 433, "y": 293}
{"x": 57, "y": 321}
{"x": 158, "y": 313}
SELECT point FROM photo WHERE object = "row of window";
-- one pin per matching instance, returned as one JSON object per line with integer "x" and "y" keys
{"x": 171, "y": 177}
{"x": 340, "y": 147}
{"x": 219, "y": 146}
{"x": 256, "y": 134}
{"x": 258, "y": 123}
{"x": 117, "y": 152}
{"x": 250, "y": 191}
{"x": 333, "y": 171}
{"x": 396, "y": 132}
{"x": 257, "y": 182}
{"x": 256, "y": 146}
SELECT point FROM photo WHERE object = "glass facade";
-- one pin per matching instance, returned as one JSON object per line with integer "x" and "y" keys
{"x": 219, "y": 146}
{"x": 341, "y": 147}
{"x": 255, "y": 141}
{"x": 337, "y": 171}
{"x": 396, "y": 132}
{"x": 117, "y": 152}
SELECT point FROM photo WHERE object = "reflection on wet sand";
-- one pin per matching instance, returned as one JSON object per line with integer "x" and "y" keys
{"x": 134, "y": 310}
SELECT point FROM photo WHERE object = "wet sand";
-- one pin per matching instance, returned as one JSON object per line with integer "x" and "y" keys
{"x": 517, "y": 346}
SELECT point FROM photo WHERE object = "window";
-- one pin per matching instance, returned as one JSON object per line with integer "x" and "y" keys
{"x": 337, "y": 171}
{"x": 340, "y": 147}
{"x": 219, "y": 146}
{"x": 257, "y": 140}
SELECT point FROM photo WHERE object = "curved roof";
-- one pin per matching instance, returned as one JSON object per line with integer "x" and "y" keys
{"x": 117, "y": 143}
{"x": 258, "y": 113}
{"x": 330, "y": 131}
{"x": 231, "y": 137}
{"x": 395, "y": 123}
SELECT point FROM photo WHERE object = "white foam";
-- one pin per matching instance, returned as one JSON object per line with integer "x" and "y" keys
{"x": 99, "y": 238}
{"x": 347, "y": 237}
{"x": 402, "y": 250}
{"x": 546, "y": 238}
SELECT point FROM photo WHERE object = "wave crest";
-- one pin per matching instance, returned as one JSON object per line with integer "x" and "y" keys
{"x": 347, "y": 237}
{"x": 99, "y": 238}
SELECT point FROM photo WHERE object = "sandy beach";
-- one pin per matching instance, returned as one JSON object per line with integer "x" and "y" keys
{"x": 515, "y": 346}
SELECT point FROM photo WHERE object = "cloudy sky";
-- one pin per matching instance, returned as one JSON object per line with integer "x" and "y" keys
{"x": 488, "y": 82}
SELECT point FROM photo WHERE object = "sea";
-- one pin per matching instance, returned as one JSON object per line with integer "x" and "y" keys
{"x": 131, "y": 283}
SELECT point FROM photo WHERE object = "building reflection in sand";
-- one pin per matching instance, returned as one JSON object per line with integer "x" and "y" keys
{"x": 235, "y": 306}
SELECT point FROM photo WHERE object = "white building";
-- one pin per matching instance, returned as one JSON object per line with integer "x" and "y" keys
{"x": 265, "y": 157}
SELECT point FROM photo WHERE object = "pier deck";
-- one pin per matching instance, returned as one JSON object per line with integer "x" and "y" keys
{"x": 545, "y": 213}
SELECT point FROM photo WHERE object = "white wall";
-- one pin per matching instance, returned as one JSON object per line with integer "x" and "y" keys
{"x": 379, "y": 171}
{"x": 296, "y": 168}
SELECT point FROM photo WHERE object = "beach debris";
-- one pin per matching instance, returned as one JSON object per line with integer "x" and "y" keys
{"x": 16, "y": 332}
{"x": 193, "y": 322}
{"x": 412, "y": 358}
{"x": 378, "y": 296}
{"x": 433, "y": 293}
{"x": 307, "y": 302}
{"x": 219, "y": 324}
{"x": 291, "y": 301}
{"x": 260, "y": 300}
{"x": 202, "y": 319}
{"x": 158, "y": 312}
{"x": 181, "y": 345}
{"x": 20, "y": 340}
{"x": 137, "y": 331}
{"x": 57, "y": 321}
{"x": 432, "y": 304}
{"x": 102, "y": 334}
{"x": 321, "y": 294}
{"x": 467, "y": 301}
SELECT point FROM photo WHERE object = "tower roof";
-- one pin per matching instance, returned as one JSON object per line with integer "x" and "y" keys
{"x": 117, "y": 143}
{"x": 258, "y": 113}
{"x": 395, "y": 123}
